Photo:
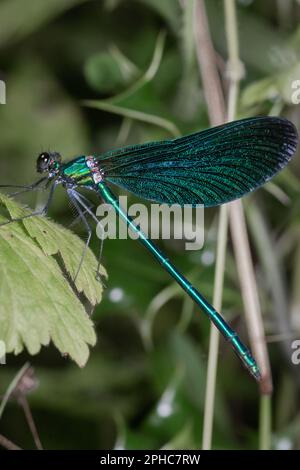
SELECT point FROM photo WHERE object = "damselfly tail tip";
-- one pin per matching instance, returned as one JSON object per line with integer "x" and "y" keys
{"x": 246, "y": 357}
{"x": 255, "y": 372}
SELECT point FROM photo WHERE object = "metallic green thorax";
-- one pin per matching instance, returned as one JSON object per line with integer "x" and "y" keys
{"x": 78, "y": 171}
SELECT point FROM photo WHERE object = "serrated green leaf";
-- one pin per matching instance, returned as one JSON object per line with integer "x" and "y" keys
{"x": 52, "y": 239}
{"x": 38, "y": 303}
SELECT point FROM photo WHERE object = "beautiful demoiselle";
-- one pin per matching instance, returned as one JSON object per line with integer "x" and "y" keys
{"x": 211, "y": 167}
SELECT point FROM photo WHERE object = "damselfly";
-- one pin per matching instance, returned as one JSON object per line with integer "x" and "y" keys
{"x": 211, "y": 167}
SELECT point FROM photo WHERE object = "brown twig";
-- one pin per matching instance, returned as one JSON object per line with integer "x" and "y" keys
{"x": 7, "y": 444}
{"x": 29, "y": 418}
{"x": 247, "y": 279}
{"x": 216, "y": 108}
{"x": 213, "y": 93}
{"x": 238, "y": 226}
{"x": 24, "y": 382}
{"x": 207, "y": 62}
{"x": 12, "y": 387}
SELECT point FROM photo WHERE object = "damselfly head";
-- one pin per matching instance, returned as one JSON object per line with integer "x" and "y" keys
{"x": 48, "y": 162}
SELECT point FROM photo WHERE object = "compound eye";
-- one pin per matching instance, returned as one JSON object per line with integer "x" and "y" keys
{"x": 45, "y": 157}
{"x": 43, "y": 162}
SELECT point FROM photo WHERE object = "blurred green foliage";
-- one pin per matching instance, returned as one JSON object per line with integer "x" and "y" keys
{"x": 83, "y": 77}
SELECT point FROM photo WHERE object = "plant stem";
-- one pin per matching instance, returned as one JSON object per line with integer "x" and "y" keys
{"x": 29, "y": 418}
{"x": 216, "y": 109}
{"x": 233, "y": 56}
{"x": 12, "y": 386}
{"x": 7, "y": 444}
{"x": 250, "y": 295}
{"x": 234, "y": 66}
{"x": 214, "y": 333}
{"x": 243, "y": 253}
{"x": 207, "y": 62}
{"x": 213, "y": 93}
{"x": 265, "y": 419}
{"x": 271, "y": 269}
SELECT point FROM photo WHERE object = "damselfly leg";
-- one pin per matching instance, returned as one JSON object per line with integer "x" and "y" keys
{"x": 42, "y": 211}
{"x": 73, "y": 199}
{"x": 36, "y": 186}
{"x": 102, "y": 235}
{"x": 77, "y": 218}
{"x": 83, "y": 206}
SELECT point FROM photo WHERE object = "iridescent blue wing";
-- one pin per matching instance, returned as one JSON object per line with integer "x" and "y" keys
{"x": 211, "y": 167}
